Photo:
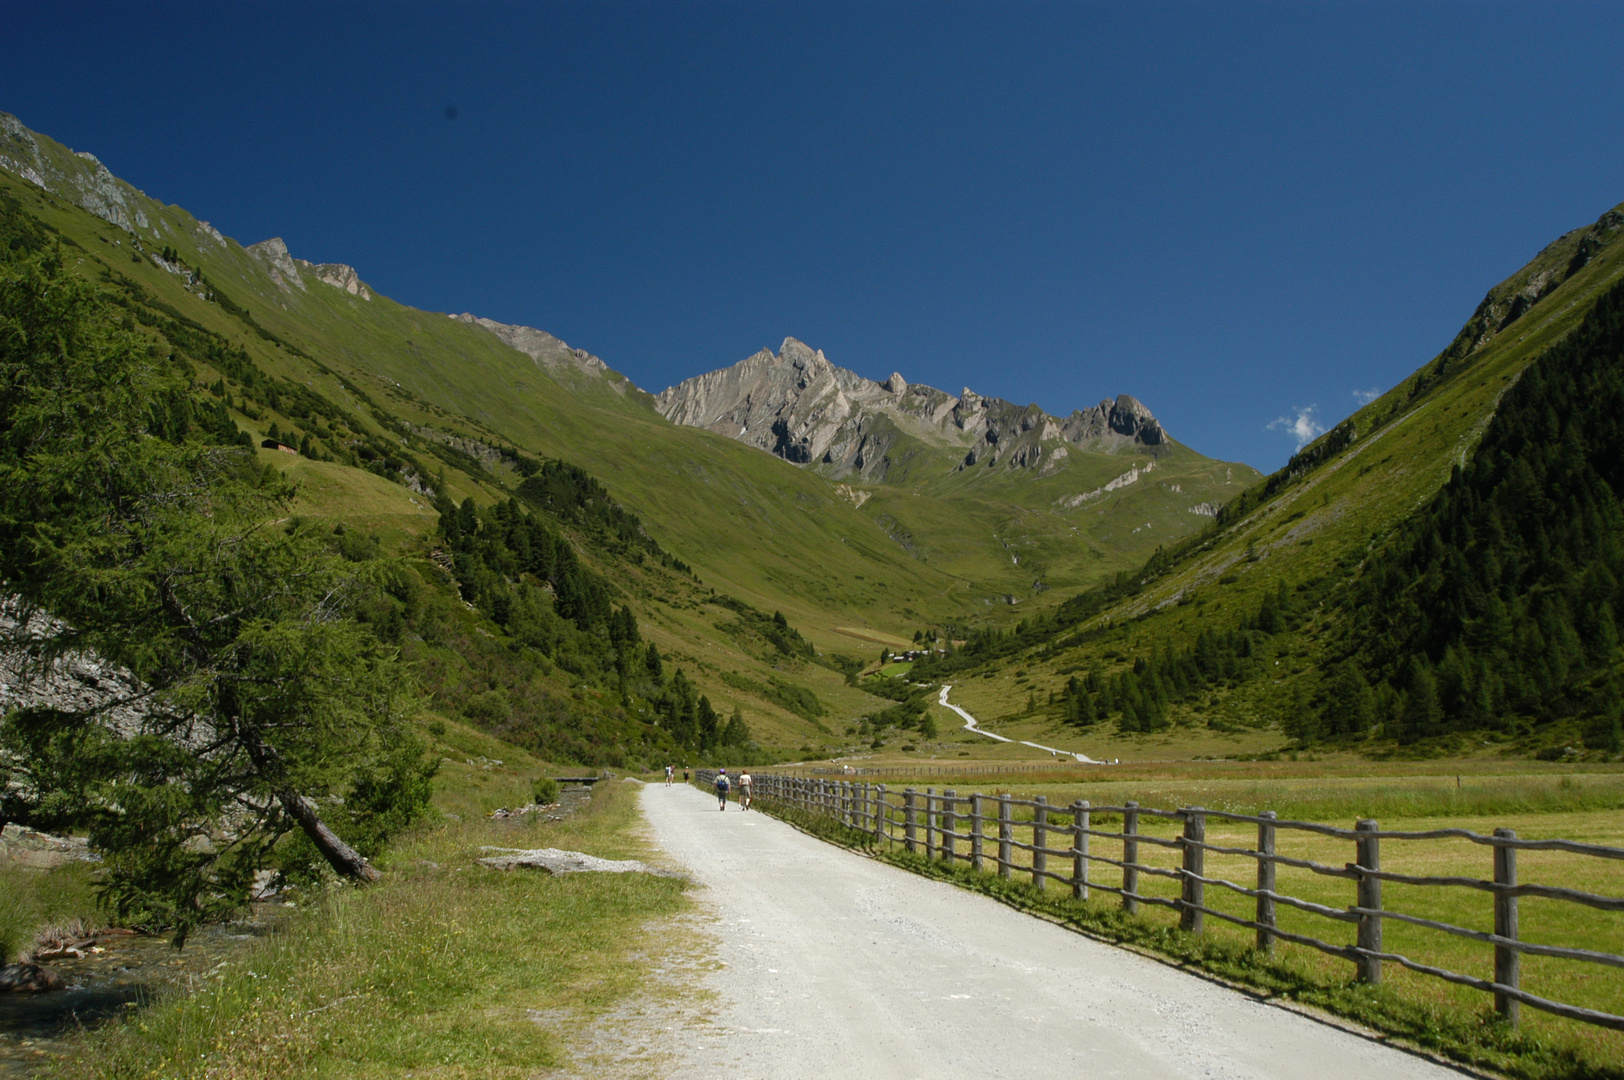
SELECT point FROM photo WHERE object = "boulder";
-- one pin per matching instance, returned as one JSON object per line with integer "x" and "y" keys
{"x": 27, "y": 979}
{"x": 42, "y": 851}
{"x": 556, "y": 861}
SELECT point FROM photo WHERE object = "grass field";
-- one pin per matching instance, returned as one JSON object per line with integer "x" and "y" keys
{"x": 446, "y": 969}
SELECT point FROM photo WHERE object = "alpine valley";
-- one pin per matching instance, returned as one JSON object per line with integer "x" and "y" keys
{"x": 606, "y": 576}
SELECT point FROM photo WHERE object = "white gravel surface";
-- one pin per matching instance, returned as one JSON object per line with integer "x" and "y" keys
{"x": 835, "y": 965}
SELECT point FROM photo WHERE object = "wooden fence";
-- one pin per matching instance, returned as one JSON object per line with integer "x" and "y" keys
{"x": 982, "y": 831}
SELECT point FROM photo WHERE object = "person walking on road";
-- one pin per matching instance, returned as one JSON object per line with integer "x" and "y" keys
{"x": 744, "y": 790}
{"x": 670, "y": 771}
{"x": 721, "y": 789}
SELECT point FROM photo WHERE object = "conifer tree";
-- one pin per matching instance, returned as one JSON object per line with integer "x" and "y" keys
{"x": 261, "y": 700}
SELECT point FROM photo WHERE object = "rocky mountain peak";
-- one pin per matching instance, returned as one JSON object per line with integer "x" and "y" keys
{"x": 801, "y": 355}
{"x": 798, "y": 405}
{"x": 279, "y": 264}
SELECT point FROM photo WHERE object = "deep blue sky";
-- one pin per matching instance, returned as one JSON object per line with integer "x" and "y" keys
{"x": 1233, "y": 212}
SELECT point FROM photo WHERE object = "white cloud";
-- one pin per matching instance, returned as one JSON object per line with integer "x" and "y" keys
{"x": 1365, "y": 397}
{"x": 1303, "y": 427}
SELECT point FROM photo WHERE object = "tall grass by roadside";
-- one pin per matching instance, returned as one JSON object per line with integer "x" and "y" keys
{"x": 1318, "y": 792}
{"x": 446, "y": 968}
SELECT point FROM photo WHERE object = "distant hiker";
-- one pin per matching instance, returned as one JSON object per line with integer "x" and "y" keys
{"x": 721, "y": 789}
{"x": 670, "y": 771}
{"x": 685, "y": 774}
{"x": 744, "y": 790}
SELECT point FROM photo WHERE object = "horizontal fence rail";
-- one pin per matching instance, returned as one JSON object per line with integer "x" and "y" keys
{"x": 984, "y": 832}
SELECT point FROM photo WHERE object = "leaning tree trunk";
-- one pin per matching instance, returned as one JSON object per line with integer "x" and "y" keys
{"x": 344, "y": 860}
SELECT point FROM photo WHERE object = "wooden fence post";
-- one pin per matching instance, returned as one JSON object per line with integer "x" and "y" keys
{"x": 1079, "y": 849}
{"x": 1191, "y": 917}
{"x": 1265, "y": 882}
{"x": 1130, "y": 857}
{"x": 930, "y": 823}
{"x": 1006, "y": 833}
{"x": 1507, "y": 961}
{"x": 879, "y": 814}
{"x": 1368, "y": 849}
{"x": 910, "y": 821}
{"x": 1040, "y": 840}
{"x": 976, "y": 825}
{"x": 950, "y": 825}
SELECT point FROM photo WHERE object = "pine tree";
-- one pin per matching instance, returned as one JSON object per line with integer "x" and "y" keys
{"x": 709, "y": 725}
{"x": 150, "y": 550}
{"x": 736, "y": 733}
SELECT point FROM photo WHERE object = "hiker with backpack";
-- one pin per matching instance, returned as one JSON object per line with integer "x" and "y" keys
{"x": 722, "y": 785}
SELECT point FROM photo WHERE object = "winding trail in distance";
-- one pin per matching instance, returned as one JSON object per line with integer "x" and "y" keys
{"x": 828, "y": 964}
{"x": 971, "y": 725}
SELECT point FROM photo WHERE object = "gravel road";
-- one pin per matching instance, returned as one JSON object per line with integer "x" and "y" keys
{"x": 836, "y": 965}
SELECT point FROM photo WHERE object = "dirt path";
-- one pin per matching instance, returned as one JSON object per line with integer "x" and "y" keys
{"x": 836, "y": 965}
{"x": 970, "y": 724}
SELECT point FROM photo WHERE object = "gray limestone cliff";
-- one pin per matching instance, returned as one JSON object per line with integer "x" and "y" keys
{"x": 806, "y": 410}
{"x": 279, "y": 264}
{"x": 542, "y": 347}
{"x": 79, "y": 177}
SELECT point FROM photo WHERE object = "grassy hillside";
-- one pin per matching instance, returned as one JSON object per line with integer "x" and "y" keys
{"x": 1240, "y": 627}
{"x": 399, "y": 412}
{"x": 751, "y": 524}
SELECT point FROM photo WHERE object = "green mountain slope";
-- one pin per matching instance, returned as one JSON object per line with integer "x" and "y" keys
{"x": 397, "y": 415}
{"x": 999, "y": 494}
{"x": 1248, "y": 625}
{"x": 935, "y": 548}
{"x": 380, "y": 467}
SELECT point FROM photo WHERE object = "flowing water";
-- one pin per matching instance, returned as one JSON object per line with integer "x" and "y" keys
{"x": 127, "y": 972}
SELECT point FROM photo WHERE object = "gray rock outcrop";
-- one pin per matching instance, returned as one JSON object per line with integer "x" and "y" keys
{"x": 279, "y": 264}
{"x": 79, "y": 177}
{"x": 340, "y": 276}
{"x": 557, "y": 861}
{"x": 542, "y": 347}
{"x": 42, "y": 851}
{"x": 803, "y": 408}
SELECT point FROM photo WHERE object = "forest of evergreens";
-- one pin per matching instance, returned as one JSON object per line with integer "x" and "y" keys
{"x": 1498, "y": 604}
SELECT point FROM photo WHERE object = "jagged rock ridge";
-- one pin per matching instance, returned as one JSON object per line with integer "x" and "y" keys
{"x": 81, "y": 177}
{"x": 542, "y": 347}
{"x": 799, "y": 406}
{"x": 285, "y": 270}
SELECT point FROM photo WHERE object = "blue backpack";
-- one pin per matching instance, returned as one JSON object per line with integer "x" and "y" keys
{"x": 722, "y": 784}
